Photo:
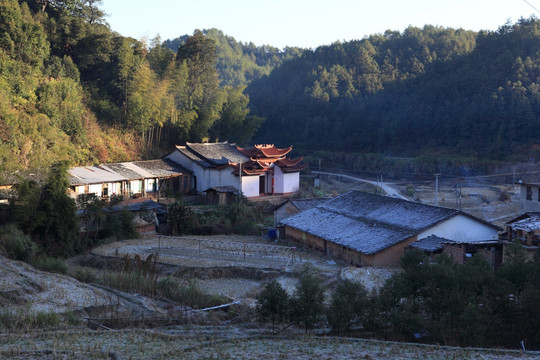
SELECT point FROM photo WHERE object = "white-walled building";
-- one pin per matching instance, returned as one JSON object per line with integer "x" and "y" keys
{"x": 130, "y": 179}
{"x": 261, "y": 170}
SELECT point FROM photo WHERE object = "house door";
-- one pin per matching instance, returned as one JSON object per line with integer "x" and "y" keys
{"x": 262, "y": 182}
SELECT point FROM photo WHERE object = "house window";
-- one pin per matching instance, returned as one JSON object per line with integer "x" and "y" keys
{"x": 529, "y": 192}
{"x": 538, "y": 197}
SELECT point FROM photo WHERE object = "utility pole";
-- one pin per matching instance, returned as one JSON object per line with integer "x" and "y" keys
{"x": 458, "y": 197}
{"x": 436, "y": 189}
{"x": 240, "y": 174}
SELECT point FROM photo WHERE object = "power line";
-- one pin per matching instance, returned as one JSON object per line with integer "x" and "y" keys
{"x": 531, "y": 5}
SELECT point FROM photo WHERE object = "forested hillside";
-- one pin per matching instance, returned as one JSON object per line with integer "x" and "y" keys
{"x": 73, "y": 89}
{"x": 238, "y": 63}
{"x": 422, "y": 91}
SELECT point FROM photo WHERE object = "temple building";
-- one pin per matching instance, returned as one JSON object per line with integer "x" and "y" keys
{"x": 257, "y": 171}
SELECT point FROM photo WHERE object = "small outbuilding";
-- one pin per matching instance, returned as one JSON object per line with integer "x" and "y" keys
{"x": 221, "y": 195}
{"x": 461, "y": 251}
{"x": 526, "y": 229}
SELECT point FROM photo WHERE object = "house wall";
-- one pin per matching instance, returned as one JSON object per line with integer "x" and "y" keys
{"x": 95, "y": 189}
{"x": 187, "y": 163}
{"x": 250, "y": 186}
{"x": 461, "y": 228}
{"x": 284, "y": 212}
{"x": 532, "y": 204}
{"x": 181, "y": 159}
{"x": 135, "y": 186}
{"x": 222, "y": 177}
{"x": 210, "y": 177}
{"x": 114, "y": 188}
{"x": 388, "y": 257}
{"x": 149, "y": 185}
{"x": 285, "y": 183}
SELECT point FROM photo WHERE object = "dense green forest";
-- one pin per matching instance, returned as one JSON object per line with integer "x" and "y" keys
{"x": 422, "y": 91}
{"x": 238, "y": 63}
{"x": 73, "y": 89}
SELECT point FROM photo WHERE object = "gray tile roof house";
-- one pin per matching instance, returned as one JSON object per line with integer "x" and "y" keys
{"x": 83, "y": 175}
{"x": 212, "y": 154}
{"x": 460, "y": 251}
{"x": 162, "y": 167}
{"x": 306, "y": 204}
{"x": 430, "y": 244}
{"x": 294, "y": 206}
{"x": 358, "y": 223}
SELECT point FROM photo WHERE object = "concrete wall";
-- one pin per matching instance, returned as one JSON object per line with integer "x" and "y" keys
{"x": 461, "y": 228}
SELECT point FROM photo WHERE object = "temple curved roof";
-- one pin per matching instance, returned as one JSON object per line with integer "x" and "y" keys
{"x": 265, "y": 151}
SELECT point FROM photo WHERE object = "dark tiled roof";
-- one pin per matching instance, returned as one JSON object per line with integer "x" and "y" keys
{"x": 162, "y": 167}
{"x": 430, "y": 243}
{"x": 368, "y": 223}
{"x": 217, "y": 154}
{"x": 124, "y": 170}
{"x": 306, "y": 204}
{"x": 223, "y": 189}
{"x": 194, "y": 157}
{"x": 92, "y": 175}
{"x": 391, "y": 211}
{"x": 137, "y": 206}
{"x": 527, "y": 222}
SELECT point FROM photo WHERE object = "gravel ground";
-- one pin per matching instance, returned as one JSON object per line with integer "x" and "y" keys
{"x": 185, "y": 252}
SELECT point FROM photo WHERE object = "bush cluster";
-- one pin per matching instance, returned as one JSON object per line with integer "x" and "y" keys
{"x": 441, "y": 302}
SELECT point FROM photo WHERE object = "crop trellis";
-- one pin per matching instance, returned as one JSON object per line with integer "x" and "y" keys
{"x": 241, "y": 250}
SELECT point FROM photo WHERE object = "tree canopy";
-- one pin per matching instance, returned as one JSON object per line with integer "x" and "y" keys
{"x": 429, "y": 90}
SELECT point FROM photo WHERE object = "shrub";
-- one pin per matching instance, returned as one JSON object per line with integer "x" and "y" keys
{"x": 347, "y": 307}
{"x": 409, "y": 190}
{"x": 23, "y": 320}
{"x": 50, "y": 264}
{"x": 273, "y": 303}
{"x": 307, "y": 300}
{"x": 16, "y": 244}
{"x": 85, "y": 275}
{"x": 120, "y": 226}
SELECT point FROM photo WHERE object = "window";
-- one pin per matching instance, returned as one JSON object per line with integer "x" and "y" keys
{"x": 529, "y": 192}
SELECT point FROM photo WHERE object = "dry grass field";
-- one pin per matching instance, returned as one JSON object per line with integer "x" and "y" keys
{"x": 218, "y": 342}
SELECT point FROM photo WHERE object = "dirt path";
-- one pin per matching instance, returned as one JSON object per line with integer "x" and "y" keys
{"x": 388, "y": 188}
